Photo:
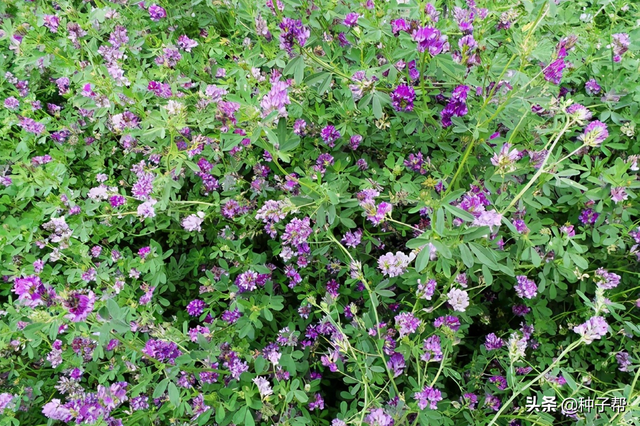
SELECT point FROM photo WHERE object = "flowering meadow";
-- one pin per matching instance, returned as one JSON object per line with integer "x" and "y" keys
{"x": 319, "y": 212}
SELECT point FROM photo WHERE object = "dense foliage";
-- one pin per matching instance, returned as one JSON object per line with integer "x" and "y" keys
{"x": 313, "y": 212}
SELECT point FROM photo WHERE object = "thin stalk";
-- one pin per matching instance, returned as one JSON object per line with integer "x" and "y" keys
{"x": 528, "y": 385}
{"x": 540, "y": 170}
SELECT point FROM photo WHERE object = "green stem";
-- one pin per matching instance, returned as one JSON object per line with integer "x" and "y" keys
{"x": 467, "y": 152}
{"x": 540, "y": 170}
{"x": 528, "y": 385}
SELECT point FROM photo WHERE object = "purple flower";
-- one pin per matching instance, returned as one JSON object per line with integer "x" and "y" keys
{"x": 317, "y": 403}
{"x": 247, "y": 281}
{"x": 329, "y": 135}
{"x": 351, "y": 19}
{"x": 457, "y": 106}
{"x": 553, "y": 72}
{"x": 11, "y": 103}
{"x": 594, "y": 134}
{"x": 428, "y": 397}
{"x": 618, "y": 194}
{"x": 394, "y": 265}
{"x": 186, "y": 44}
{"x": 493, "y": 342}
{"x": 499, "y": 381}
{"x": 589, "y": 216}
{"x": 492, "y": 402}
{"x": 432, "y": 349}
{"x": 429, "y": 38}
{"x": 426, "y": 290}
{"x": 568, "y": 230}
{"x": 471, "y": 399}
{"x": 490, "y": 218}
{"x": 231, "y": 317}
{"x": 605, "y": 279}
{"x": 451, "y": 322}
{"x": 579, "y": 112}
{"x": 146, "y": 209}
{"x": 195, "y": 308}
{"x": 399, "y": 25}
{"x": 276, "y": 100}
{"x": 526, "y": 288}
{"x": 396, "y": 364}
{"x": 161, "y": 350}
{"x": 299, "y": 126}
{"x": 193, "y": 222}
{"x": 30, "y": 290}
{"x": 292, "y": 31}
{"x": 162, "y": 90}
{"x": 40, "y": 160}
{"x": 144, "y": 252}
{"x": 520, "y": 310}
{"x": 352, "y": 239}
{"x": 592, "y": 87}
{"x": 117, "y": 201}
{"x": 156, "y": 12}
{"x": 377, "y": 417}
{"x": 51, "y": 22}
{"x": 595, "y": 328}
{"x": 54, "y": 410}
{"x": 506, "y": 159}
{"x": 79, "y": 305}
{"x": 407, "y": 322}
{"x": 31, "y": 125}
{"x": 402, "y": 98}
{"x": 624, "y": 361}
{"x": 620, "y": 44}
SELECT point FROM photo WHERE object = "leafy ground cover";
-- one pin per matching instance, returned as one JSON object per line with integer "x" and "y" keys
{"x": 319, "y": 212}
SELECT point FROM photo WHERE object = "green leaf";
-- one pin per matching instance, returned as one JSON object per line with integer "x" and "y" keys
{"x": 422, "y": 259}
{"x": 159, "y": 390}
{"x": 377, "y": 107}
{"x": 248, "y": 419}
{"x": 485, "y": 256}
{"x": 301, "y": 396}
{"x": 467, "y": 256}
{"x": 439, "y": 225}
{"x": 174, "y": 394}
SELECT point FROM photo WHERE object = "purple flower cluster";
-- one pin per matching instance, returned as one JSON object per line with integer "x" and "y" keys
{"x": 407, "y": 323}
{"x": 430, "y": 39}
{"x": 594, "y": 329}
{"x": 457, "y": 106}
{"x": 428, "y": 396}
{"x": 276, "y": 100}
{"x": 432, "y": 349}
{"x": 402, "y": 98}
{"x": 493, "y": 342}
{"x": 594, "y": 134}
{"x": 375, "y": 213}
{"x": 330, "y": 135}
{"x": 394, "y": 265}
{"x": 606, "y": 280}
{"x": 163, "y": 351}
{"x": 526, "y": 288}
{"x": 292, "y": 32}
{"x": 156, "y": 13}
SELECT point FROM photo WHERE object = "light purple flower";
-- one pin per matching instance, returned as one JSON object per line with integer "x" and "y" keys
{"x": 526, "y": 288}
{"x": 407, "y": 322}
{"x": 156, "y": 13}
{"x": 458, "y": 299}
{"x": 429, "y": 396}
{"x": 594, "y": 329}
{"x": 594, "y": 134}
{"x": 193, "y": 222}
